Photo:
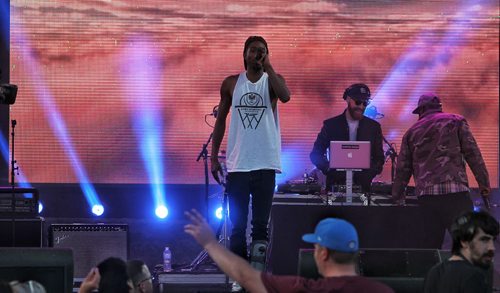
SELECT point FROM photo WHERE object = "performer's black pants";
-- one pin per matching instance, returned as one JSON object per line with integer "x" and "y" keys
{"x": 447, "y": 207}
{"x": 260, "y": 184}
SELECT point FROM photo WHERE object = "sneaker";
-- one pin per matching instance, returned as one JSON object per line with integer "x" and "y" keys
{"x": 237, "y": 287}
{"x": 258, "y": 251}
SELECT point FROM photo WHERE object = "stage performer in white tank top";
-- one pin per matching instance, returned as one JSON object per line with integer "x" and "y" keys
{"x": 253, "y": 143}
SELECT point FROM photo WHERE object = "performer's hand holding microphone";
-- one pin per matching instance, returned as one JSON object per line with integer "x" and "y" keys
{"x": 263, "y": 59}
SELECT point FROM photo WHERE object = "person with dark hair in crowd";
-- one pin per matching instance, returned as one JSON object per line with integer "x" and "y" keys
{"x": 336, "y": 248}
{"x": 434, "y": 150}
{"x": 253, "y": 153}
{"x": 472, "y": 255}
{"x": 110, "y": 276}
{"x": 351, "y": 125}
{"x": 140, "y": 275}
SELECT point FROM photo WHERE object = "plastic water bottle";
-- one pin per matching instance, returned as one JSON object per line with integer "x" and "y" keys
{"x": 167, "y": 260}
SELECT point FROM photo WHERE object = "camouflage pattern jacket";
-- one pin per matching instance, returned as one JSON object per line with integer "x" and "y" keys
{"x": 434, "y": 150}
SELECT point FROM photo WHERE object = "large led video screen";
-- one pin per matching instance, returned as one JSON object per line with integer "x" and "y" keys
{"x": 122, "y": 91}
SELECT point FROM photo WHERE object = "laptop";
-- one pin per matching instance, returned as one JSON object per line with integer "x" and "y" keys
{"x": 350, "y": 154}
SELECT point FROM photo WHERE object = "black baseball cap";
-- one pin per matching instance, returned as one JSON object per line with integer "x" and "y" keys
{"x": 358, "y": 91}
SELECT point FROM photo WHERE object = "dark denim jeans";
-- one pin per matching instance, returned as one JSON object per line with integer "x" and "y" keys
{"x": 260, "y": 184}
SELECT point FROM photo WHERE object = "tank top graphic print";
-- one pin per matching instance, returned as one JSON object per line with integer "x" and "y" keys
{"x": 254, "y": 139}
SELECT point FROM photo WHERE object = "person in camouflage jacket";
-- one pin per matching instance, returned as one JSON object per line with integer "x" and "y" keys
{"x": 434, "y": 150}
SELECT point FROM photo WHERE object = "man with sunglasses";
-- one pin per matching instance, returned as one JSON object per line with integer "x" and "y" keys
{"x": 140, "y": 275}
{"x": 351, "y": 125}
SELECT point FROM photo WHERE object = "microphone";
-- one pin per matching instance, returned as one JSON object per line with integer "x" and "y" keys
{"x": 258, "y": 57}
{"x": 215, "y": 111}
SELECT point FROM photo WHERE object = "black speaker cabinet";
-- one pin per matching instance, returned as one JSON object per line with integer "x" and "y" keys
{"x": 51, "y": 267}
{"x": 403, "y": 270}
{"x": 91, "y": 243}
{"x": 27, "y": 232}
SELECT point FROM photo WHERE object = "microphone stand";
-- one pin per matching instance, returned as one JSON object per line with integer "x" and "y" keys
{"x": 222, "y": 229}
{"x": 204, "y": 154}
{"x": 391, "y": 152}
{"x": 13, "y": 170}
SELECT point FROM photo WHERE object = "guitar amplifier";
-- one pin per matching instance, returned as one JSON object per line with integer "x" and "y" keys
{"x": 91, "y": 243}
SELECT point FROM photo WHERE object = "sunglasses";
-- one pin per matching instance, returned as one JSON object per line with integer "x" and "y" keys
{"x": 365, "y": 102}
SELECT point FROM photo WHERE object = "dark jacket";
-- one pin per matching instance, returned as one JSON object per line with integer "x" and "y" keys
{"x": 336, "y": 128}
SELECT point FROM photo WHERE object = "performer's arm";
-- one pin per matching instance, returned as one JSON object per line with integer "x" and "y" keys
{"x": 277, "y": 82}
{"x": 404, "y": 170}
{"x": 318, "y": 153}
{"x": 226, "y": 91}
{"x": 473, "y": 157}
{"x": 234, "y": 266}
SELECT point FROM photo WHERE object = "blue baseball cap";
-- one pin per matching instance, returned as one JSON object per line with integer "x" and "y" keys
{"x": 335, "y": 234}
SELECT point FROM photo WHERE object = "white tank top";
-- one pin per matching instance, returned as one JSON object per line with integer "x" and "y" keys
{"x": 254, "y": 140}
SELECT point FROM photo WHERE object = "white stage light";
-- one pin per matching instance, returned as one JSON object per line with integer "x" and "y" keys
{"x": 97, "y": 209}
{"x": 161, "y": 212}
{"x": 218, "y": 213}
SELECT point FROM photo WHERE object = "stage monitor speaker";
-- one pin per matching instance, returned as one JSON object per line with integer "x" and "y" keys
{"x": 51, "y": 267}
{"x": 28, "y": 232}
{"x": 91, "y": 243}
{"x": 397, "y": 263}
{"x": 403, "y": 270}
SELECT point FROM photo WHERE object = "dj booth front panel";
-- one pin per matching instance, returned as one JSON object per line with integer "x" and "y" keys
{"x": 378, "y": 227}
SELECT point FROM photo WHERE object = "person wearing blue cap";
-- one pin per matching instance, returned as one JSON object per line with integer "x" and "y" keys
{"x": 336, "y": 248}
{"x": 351, "y": 125}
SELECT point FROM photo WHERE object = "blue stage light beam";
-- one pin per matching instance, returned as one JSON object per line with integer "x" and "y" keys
{"x": 291, "y": 163}
{"x": 143, "y": 73}
{"x": 455, "y": 37}
{"x": 428, "y": 54}
{"x": 55, "y": 120}
{"x": 4, "y": 18}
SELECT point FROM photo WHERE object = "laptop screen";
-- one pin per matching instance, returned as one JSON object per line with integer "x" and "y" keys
{"x": 350, "y": 155}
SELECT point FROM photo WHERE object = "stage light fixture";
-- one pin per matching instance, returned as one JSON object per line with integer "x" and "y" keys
{"x": 218, "y": 213}
{"x": 98, "y": 210}
{"x": 40, "y": 207}
{"x": 161, "y": 212}
{"x": 8, "y": 93}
